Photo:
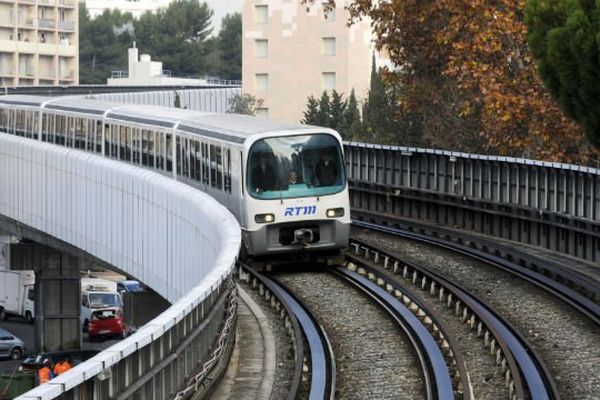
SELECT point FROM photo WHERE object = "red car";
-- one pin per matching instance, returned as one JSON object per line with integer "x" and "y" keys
{"x": 107, "y": 322}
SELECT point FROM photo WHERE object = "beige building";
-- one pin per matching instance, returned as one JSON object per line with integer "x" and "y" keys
{"x": 39, "y": 42}
{"x": 290, "y": 54}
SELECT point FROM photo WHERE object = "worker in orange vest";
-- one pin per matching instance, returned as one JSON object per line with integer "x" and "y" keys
{"x": 45, "y": 373}
{"x": 62, "y": 366}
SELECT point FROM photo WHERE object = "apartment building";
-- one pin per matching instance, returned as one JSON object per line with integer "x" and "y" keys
{"x": 39, "y": 42}
{"x": 290, "y": 54}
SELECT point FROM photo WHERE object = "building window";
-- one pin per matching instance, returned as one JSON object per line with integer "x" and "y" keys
{"x": 328, "y": 15}
{"x": 261, "y": 14}
{"x": 328, "y": 46}
{"x": 261, "y": 81}
{"x": 261, "y": 48}
{"x": 262, "y": 112}
{"x": 328, "y": 81}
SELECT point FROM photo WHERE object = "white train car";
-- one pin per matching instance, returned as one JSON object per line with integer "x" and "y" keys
{"x": 285, "y": 184}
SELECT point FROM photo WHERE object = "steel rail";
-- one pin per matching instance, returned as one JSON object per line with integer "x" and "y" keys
{"x": 305, "y": 326}
{"x": 526, "y": 371}
{"x": 580, "y": 301}
{"x": 431, "y": 319}
{"x": 438, "y": 383}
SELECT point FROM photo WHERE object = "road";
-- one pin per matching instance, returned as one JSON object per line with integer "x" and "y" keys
{"x": 24, "y": 331}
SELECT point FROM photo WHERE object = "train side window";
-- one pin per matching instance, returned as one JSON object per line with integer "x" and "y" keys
{"x": 160, "y": 150}
{"x": 168, "y": 151}
{"x": 205, "y": 164}
{"x": 136, "y": 145}
{"x": 4, "y": 119}
{"x": 80, "y": 133}
{"x": 213, "y": 166}
{"x": 45, "y": 130}
{"x": 60, "y": 130}
{"x": 227, "y": 170}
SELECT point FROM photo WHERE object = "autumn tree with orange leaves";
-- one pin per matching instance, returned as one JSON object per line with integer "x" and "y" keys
{"x": 466, "y": 69}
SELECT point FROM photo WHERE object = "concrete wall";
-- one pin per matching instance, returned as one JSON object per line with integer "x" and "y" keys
{"x": 175, "y": 239}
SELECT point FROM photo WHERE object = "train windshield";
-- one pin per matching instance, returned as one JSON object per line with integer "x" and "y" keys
{"x": 295, "y": 166}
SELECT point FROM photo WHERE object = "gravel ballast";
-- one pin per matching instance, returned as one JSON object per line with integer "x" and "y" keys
{"x": 568, "y": 342}
{"x": 374, "y": 358}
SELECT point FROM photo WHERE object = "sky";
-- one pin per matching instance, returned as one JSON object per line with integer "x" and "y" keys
{"x": 222, "y": 7}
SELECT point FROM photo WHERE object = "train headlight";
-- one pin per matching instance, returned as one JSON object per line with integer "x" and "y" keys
{"x": 264, "y": 218}
{"x": 335, "y": 212}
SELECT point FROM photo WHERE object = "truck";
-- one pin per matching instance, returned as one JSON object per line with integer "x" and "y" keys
{"x": 97, "y": 293}
{"x": 17, "y": 294}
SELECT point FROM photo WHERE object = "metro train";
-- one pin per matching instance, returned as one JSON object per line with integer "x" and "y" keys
{"x": 285, "y": 184}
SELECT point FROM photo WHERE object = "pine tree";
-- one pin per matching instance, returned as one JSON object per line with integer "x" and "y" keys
{"x": 324, "y": 116}
{"x": 311, "y": 115}
{"x": 378, "y": 111}
{"x": 351, "y": 124}
{"x": 338, "y": 106}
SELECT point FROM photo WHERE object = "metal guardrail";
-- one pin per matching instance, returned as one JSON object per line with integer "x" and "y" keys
{"x": 209, "y": 99}
{"x": 551, "y": 205}
{"x": 164, "y": 241}
{"x": 566, "y": 189}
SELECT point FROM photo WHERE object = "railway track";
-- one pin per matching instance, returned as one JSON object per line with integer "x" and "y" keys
{"x": 443, "y": 370}
{"x": 525, "y": 374}
{"x": 317, "y": 357}
{"x": 574, "y": 288}
{"x": 441, "y": 364}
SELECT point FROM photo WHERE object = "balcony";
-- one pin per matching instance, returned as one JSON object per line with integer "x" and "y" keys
{"x": 68, "y": 75}
{"x": 6, "y": 21}
{"x": 27, "y": 47}
{"x": 26, "y": 24}
{"x": 66, "y": 25}
{"x": 66, "y": 3}
{"x": 47, "y": 24}
{"x": 50, "y": 3}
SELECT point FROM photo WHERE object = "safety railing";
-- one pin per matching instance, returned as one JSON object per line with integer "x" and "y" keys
{"x": 560, "y": 188}
{"x": 551, "y": 205}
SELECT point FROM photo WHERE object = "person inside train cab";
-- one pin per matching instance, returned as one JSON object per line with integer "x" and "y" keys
{"x": 263, "y": 174}
{"x": 293, "y": 178}
{"x": 326, "y": 170}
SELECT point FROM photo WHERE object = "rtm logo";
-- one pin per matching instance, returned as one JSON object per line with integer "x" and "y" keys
{"x": 300, "y": 210}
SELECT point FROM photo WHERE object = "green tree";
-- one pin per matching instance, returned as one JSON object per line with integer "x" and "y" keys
{"x": 177, "y": 36}
{"x": 324, "y": 115}
{"x": 103, "y": 44}
{"x": 564, "y": 36}
{"x": 338, "y": 106}
{"x": 230, "y": 47}
{"x": 311, "y": 115}
{"x": 244, "y": 104}
{"x": 377, "y": 110}
{"x": 351, "y": 123}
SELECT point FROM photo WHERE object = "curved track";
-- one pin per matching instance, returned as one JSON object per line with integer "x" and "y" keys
{"x": 557, "y": 280}
{"x": 435, "y": 371}
{"x": 305, "y": 327}
{"x": 526, "y": 375}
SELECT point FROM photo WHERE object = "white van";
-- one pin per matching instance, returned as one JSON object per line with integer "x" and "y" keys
{"x": 97, "y": 293}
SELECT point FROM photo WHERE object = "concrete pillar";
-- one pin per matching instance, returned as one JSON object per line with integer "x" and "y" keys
{"x": 57, "y": 295}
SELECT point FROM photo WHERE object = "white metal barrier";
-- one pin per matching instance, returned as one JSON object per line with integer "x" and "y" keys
{"x": 177, "y": 240}
{"x": 208, "y": 100}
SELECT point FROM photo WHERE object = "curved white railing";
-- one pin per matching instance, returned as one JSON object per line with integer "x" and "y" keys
{"x": 177, "y": 240}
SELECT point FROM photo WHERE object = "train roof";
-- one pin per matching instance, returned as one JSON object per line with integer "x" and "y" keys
{"x": 229, "y": 127}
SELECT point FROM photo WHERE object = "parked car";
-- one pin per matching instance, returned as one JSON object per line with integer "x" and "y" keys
{"x": 107, "y": 322}
{"x": 130, "y": 286}
{"x": 11, "y": 346}
{"x": 33, "y": 362}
